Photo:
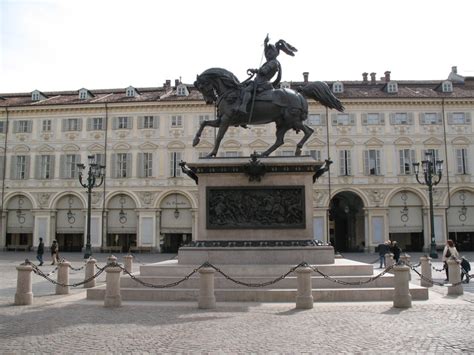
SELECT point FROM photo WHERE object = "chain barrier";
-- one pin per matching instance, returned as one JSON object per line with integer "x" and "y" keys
{"x": 82, "y": 267}
{"x": 255, "y": 285}
{"x": 438, "y": 283}
{"x": 38, "y": 272}
{"x": 356, "y": 283}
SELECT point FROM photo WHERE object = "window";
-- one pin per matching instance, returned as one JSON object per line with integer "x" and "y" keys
{"x": 337, "y": 87}
{"x": 97, "y": 124}
{"x": 458, "y": 118}
{"x": 122, "y": 164}
{"x": 373, "y": 119}
{"x": 44, "y": 167}
{"x": 175, "y": 169}
{"x": 231, "y": 154}
{"x": 83, "y": 95}
{"x": 433, "y": 153}
{"x": 72, "y": 124}
{"x": 343, "y": 119}
{"x": 99, "y": 158}
{"x": 400, "y": 118}
{"x": 315, "y": 120}
{"x": 145, "y": 165}
{"x": 176, "y": 121}
{"x": 122, "y": 122}
{"x": 430, "y": 118}
{"x": 392, "y": 88}
{"x": 35, "y": 96}
{"x": 130, "y": 92}
{"x": 316, "y": 154}
{"x": 23, "y": 126}
{"x": 2, "y": 126}
{"x": 372, "y": 164}
{"x": 461, "y": 161}
{"x": 182, "y": 90}
{"x": 407, "y": 158}
{"x": 148, "y": 122}
{"x": 447, "y": 86}
{"x": 286, "y": 153}
{"x": 69, "y": 166}
{"x": 203, "y": 118}
{"x": 20, "y": 167}
{"x": 46, "y": 125}
{"x": 345, "y": 163}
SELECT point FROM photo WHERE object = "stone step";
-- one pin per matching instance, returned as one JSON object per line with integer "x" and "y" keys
{"x": 261, "y": 295}
{"x": 341, "y": 267}
{"x": 221, "y": 282}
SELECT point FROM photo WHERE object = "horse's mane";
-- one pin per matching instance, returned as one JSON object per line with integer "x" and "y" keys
{"x": 229, "y": 79}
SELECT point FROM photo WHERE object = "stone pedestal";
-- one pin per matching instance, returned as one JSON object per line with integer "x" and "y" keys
{"x": 90, "y": 271}
{"x": 24, "y": 294}
{"x": 63, "y": 278}
{"x": 112, "y": 288}
{"x": 257, "y": 211}
{"x": 128, "y": 263}
{"x": 304, "y": 297}
{"x": 454, "y": 272}
{"x": 207, "y": 299}
{"x": 402, "y": 296}
{"x": 426, "y": 271}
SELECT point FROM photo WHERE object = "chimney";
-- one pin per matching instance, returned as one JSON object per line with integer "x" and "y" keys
{"x": 305, "y": 76}
{"x": 373, "y": 79}
{"x": 176, "y": 82}
{"x": 364, "y": 77}
{"x": 387, "y": 76}
{"x": 454, "y": 70}
{"x": 469, "y": 82}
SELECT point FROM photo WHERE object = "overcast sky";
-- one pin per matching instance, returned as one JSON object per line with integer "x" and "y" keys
{"x": 54, "y": 45}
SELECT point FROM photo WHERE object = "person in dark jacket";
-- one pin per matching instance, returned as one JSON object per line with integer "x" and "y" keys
{"x": 465, "y": 268}
{"x": 40, "y": 252}
{"x": 54, "y": 252}
{"x": 384, "y": 248}
{"x": 396, "y": 251}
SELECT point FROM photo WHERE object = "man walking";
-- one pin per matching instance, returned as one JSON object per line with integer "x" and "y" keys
{"x": 384, "y": 248}
{"x": 40, "y": 252}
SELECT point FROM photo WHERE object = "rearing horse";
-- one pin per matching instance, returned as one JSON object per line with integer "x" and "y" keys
{"x": 287, "y": 108}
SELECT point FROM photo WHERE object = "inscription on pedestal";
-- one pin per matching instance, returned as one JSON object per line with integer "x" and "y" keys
{"x": 255, "y": 207}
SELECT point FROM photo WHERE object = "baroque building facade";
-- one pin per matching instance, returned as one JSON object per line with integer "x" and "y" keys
{"x": 369, "y": 195}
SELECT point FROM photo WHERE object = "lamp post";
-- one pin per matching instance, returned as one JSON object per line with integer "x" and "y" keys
{"x": 94, "y": 173}
{"x": 432, "y": 173}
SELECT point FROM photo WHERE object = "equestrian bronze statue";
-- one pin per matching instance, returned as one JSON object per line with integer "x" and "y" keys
{"x": 260, "y": 101}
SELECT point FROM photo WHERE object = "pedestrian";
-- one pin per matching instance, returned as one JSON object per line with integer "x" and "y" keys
{"x": 384, "y": 248}
{"x": 465, "y": 268}
{"x": 40, "y": 252}
{"x": 396, "y": 251}
{"x": 54, "y": 252}
{"x": 448, "y": 252}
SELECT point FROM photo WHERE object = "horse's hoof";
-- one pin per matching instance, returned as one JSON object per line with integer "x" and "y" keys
{"x": 196, "y": 141}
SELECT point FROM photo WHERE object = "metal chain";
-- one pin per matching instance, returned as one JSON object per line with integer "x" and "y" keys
{"x": 38, "y": 272}
{"x": 357, "y": 283}
{"x": 437, "y": 282}
{"x": 263, "y": 284}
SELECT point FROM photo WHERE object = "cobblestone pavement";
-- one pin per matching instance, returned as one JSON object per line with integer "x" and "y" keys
{"x": 71, "y": 324}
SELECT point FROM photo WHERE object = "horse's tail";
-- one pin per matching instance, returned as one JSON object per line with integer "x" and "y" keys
{"x": 320, "y": 92}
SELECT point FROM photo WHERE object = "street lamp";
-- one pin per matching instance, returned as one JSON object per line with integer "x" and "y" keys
{"x": 432, "y": 172}
{"x": 94, "y": 173}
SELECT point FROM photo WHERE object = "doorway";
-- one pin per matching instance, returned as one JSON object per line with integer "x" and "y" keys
{"x": 72, "y": 242}
{"x": 173, "y": 241}
{"x": 123, "y": 240}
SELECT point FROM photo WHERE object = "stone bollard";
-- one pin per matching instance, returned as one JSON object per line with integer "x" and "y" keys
{"x": 24, "y": 294}
{"x": 111, "y": 259}
{"x": 389, "y": 261}
{"x": 207, "y": 299}
{"x": 304, "y": 295}
{"x": 90, "y": 271}
{"x": 401, "y": 296}
{"x": 128, "y": 263}
{"x": 406, "y": 259}
{"x": 426, "y": 271}
{"x": 63, "y": 278}
{"x": 454, "y": 272}
{"x": 112, "y": 288}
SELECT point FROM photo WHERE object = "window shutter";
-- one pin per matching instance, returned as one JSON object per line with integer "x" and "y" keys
{"x": 363, "y": 118}
{"x": 378, "y": 162}
{"x": 13, "y": 167}
{"x": 27, "y": 167}
{"x": 79, "y": 124}
{"x": 410, "y": 118}
{"x": 156, "y": 122}
{"x": 52, "y": 167}
{"x": 29, "y": 126}
{"x": 401, "y": 161}
{"x": 382, "y": 118}
{"x": 421, "y": 118}
{"x": 439, "y": 118}
{"x": 366, "y": 162}
{"x": 392, "y": 118}
{"x": 115, "y": 124}
{"x": 349, "y": 162}
{"x": 342, "y": 163}
{"x": 450, "y": 117}
{"x": 141, "y": 122}
{"x": 62, "y": 166}
{"x": 466, "y": 167}
{"x": 129, "y": 122}
{"x": 412, "y": 159}
{"x": 16, "y": 126}
{"x": 63, "y": 125}
{"x": 467, "y": 115}
{"x": 334, "y": 119}
{"x": 113, "y": 163}
{"x": 178, "y": 159}
{"x": 2, "y": 171}
{"x": 129, "y": 165}
{"x": 89, "y": 124}
{"x": 140, "y": 166}
{"x": 459, "y": 161}
{"x": 38, "y": 167}
{"x": 172, "y": 164}
{"x": 352, "y": 118}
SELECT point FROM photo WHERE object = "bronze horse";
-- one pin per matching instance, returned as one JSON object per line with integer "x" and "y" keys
{"x": 287, "y": 108}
